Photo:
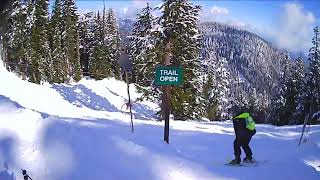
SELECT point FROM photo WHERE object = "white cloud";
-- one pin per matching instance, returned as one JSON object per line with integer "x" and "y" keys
{"x": 220, "y": 16}
{"x": 214, "y": 13}
{"x": 140, "y": 3}
{"x": 133, "y": 9}
{"x": 216, "y": 10}
{"x": 125, "y": 10}
{"x": 239, "y": 24}
{"x": 293, "y": 29}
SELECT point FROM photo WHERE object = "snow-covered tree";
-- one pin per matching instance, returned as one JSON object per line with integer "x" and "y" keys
{"x": 18, "y": 37}
{"x": 258, "y": 106}
{"x": 293, "y": 90}
{"x": 277, "y": 111}
{"x": 298, "y": 79}
{"x": 209, "y": 101}
{"x": 41, "y": 61}
{"x": 218, "y": 100}
{"x": 142, "y": 48}
{"x": 71, "y": 40}
{"x": 178, "y": 23}
{"x": 86, "y": 33}
{"x": 112, "y": 41}
{"x": 239, "y": 98}
{"x": 99, "y": 66}
{"x": 222, "y": 87}
{"x": 312, "y": 99}
{"x": 60, "y": 71}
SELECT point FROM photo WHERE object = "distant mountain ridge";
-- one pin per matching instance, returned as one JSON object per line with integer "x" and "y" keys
{"x": 125, "y": 28}
{"x": 249, "y": 56}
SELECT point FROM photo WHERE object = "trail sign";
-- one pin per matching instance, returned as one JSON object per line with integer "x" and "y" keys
{"x": 169, "y": 75}
{"x": 125, "y": 62}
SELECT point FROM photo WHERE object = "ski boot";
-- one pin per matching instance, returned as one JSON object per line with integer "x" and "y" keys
{"x": 235, "y": 162}
{"x": 248, "y": 160}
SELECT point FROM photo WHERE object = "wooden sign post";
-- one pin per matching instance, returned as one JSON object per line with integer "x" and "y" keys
{"x": 166, "y": 76}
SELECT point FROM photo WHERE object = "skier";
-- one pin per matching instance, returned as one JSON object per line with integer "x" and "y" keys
{"x": 244, "y": 128}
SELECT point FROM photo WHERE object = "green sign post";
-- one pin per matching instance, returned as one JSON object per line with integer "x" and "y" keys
{"x": 169, "y": 75}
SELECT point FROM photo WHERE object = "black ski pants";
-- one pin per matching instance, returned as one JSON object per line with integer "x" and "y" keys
{"x": 243, "y": 142}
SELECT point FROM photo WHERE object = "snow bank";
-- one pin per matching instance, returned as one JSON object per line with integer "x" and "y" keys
{"x": 87, "y": 98}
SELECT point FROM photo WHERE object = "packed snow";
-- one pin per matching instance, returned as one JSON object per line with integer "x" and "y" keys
{"x": 81, "y": 131}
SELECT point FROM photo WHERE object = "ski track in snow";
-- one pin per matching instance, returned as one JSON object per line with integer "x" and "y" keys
{"x": 77, "y": 131}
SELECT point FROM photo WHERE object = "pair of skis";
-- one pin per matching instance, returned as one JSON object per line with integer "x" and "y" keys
{"x": 247, "y": 164}
{"x": 244, "y": 164}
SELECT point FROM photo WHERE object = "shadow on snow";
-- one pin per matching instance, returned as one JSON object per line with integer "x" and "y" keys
{"x": 80, "y": 95}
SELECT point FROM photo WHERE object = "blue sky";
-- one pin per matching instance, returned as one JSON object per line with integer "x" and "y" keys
{"x": 287, "y": 24}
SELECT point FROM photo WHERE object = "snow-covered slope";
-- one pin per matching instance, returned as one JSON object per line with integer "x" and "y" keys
{"x": 254, "y": 64}
{"x": 78, "y": 132}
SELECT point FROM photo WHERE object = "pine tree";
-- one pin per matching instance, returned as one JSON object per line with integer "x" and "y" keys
{"x": 312, "y": 99}
{"x": 5, "y": 14}
{"x": 239, "y": 94}
{"x": 71, "y": 41}
{"x": 112, "y": 41}
{"x": 40, "y": 51}
{"x": 86, "y": 33}
{"x": 210, "y": 102}
{"x": 298, "y": 76}
{"x": 99, "y": 65}
{"x": 142, "y": 48}
{"x": 222, "y": 87}
{"x": 179, "y": 22}
{"x": 28, "y": 33}
{"x": 278, "y": 113}
{"x": 58, "y": 57}
{"x": 259, "y": 107}
{"x": 290, "y": 95}
{"x": 216, "y": 68}
{"x": 18, "y": 37}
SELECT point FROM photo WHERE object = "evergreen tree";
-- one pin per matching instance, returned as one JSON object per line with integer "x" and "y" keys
{"x": 18, "y": 37}
{"x": 278, "y": 113}
{"x": 58, "y": 55}
{"x": 29, "y": 24}
{"x": 239, "y": 95}
{"x": 209, "y": 101}
{"x": 99, "y": 65}
{"x": 86, "y": 33}
{"x": 71, "y": 40}
{"x": 219, "y": 79}
{"x": 259, "y": 106}
{"x": 179, "y": 27}
{"x": 298, "y": 78}
{"x": 40, "y": 51}
{"x": 142, "y": 48}
{"x": 222, "y": 87}
{"x": 312, "y": 99}
{"x": 112, "y": 41}
{"x": 290, "y": 95}
{"x": 7, "y": 33}
{"x": 5, "y": 13}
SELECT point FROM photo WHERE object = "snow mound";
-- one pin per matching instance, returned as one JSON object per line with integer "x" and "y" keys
{"x": 86, "y": 98}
